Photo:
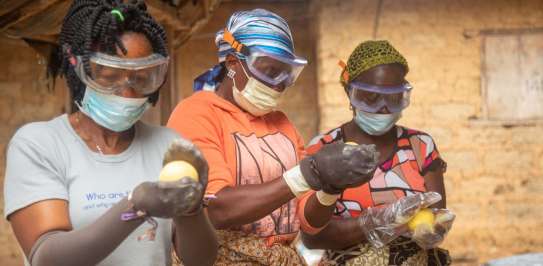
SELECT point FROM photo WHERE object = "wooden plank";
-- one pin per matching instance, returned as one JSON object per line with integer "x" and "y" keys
{"x": 169, "y": 91}
{"x": 513, "y": 76}
{"x": 41, "y": 20}
{"x": 167, "y": 14}
{"x": 208, "y": 7}
{"x": 45, "y": 23}
{"x": 8, "y": 6}
{"x": 28, "y": 11}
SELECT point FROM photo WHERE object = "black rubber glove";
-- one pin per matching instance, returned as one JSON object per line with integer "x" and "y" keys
{"x": 168, "y": 199}
{"x": 338, "y": 166}
{"x": 178, "y": 198}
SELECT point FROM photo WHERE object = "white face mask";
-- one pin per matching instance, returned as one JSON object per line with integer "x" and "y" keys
{"x": 256, "y": 97}
{"x": 111, "y": 111}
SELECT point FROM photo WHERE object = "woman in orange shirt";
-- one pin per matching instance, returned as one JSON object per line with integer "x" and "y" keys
{"x": 367, "y": 228}
{"x": 255, "y": 154}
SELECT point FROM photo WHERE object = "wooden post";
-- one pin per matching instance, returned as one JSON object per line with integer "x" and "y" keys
{"x": 169, "y": 90}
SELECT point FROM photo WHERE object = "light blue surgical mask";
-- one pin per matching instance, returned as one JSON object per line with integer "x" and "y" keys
{"x": 376, "y": 124}
{"x": 111, "y": 111}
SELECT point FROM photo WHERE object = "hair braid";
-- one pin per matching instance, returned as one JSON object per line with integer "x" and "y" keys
{"x": 89, "y": 25}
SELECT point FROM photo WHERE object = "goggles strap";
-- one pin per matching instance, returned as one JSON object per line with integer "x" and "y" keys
{"x": 239, "y": 47}
{"x": 344, "y": 72}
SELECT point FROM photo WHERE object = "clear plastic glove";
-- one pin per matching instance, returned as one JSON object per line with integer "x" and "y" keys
{"x": 338, "y": 166}
{"x": 383, "y": 225}
{"x": 431, "y": 237}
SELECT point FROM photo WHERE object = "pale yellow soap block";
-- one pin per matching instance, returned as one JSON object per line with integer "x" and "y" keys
{"x": 176, "y": 170}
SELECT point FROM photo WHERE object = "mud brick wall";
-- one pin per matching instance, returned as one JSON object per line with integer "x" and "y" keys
{"x": 495, "y": 173}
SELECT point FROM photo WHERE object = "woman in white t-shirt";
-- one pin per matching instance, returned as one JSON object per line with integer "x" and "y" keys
{"x": 82, "y": 188}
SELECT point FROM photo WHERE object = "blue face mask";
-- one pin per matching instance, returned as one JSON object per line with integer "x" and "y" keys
{"x": 376, "y": 124}
{"x": 111, "y": 111}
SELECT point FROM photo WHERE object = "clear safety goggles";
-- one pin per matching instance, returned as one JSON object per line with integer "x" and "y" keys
{"x": 267, "y": 67}
{"x": 110, "y": 74}
{"x": 371, "y": 98}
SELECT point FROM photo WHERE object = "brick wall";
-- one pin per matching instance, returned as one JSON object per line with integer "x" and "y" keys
{"x": 495, "y": 173}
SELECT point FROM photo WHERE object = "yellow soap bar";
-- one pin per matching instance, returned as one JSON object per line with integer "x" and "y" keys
{"x": 424, "y": 217}
{"x": 351, "y": 143}
{"x": 176, "y": 170}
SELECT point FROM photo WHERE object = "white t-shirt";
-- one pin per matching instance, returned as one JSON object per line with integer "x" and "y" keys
{"x": 48, "y": 160}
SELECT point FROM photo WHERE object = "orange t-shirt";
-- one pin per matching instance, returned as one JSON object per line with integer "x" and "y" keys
{"x": 242, "y": 149}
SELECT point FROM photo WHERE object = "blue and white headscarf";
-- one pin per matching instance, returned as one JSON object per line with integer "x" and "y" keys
{"x": 256, "y": 27}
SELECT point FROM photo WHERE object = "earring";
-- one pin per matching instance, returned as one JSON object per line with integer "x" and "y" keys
{"x": 231, "y": 73}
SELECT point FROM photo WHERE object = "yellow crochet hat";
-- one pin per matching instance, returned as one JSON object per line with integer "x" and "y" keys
{"x": 369, "y": 54}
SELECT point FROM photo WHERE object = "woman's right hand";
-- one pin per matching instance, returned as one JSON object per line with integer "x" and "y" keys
{"x": 168, "y": 199}
{"x": 338, "y": 166}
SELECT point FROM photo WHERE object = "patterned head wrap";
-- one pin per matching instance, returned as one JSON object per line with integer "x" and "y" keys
{"x": 257, "y": 27}
{"x": 369, "y": 54}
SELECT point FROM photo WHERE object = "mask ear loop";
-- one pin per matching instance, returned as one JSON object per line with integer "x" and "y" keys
{"x": 344, "y": 72}
{"x": 231, "y": 73}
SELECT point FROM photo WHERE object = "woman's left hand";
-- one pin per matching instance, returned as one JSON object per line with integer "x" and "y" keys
{"x": 428, "y": 239}
{"x": 169, "y": 199}
{"x": 178, "y": 198}
{"x": 382, "y": 225}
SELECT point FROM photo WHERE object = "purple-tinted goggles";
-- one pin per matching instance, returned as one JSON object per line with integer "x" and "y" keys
{"x": 372, "y": 98}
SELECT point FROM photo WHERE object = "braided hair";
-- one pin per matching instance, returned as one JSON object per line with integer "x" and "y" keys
{"x": 91, "y": 24}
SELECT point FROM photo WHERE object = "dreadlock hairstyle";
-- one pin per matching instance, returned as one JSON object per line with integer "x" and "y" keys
{"x": 99, "y": 24}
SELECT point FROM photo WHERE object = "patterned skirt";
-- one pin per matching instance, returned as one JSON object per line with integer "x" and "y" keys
{"x": 241, "y": 249}
{"x": 402, "y": 251}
